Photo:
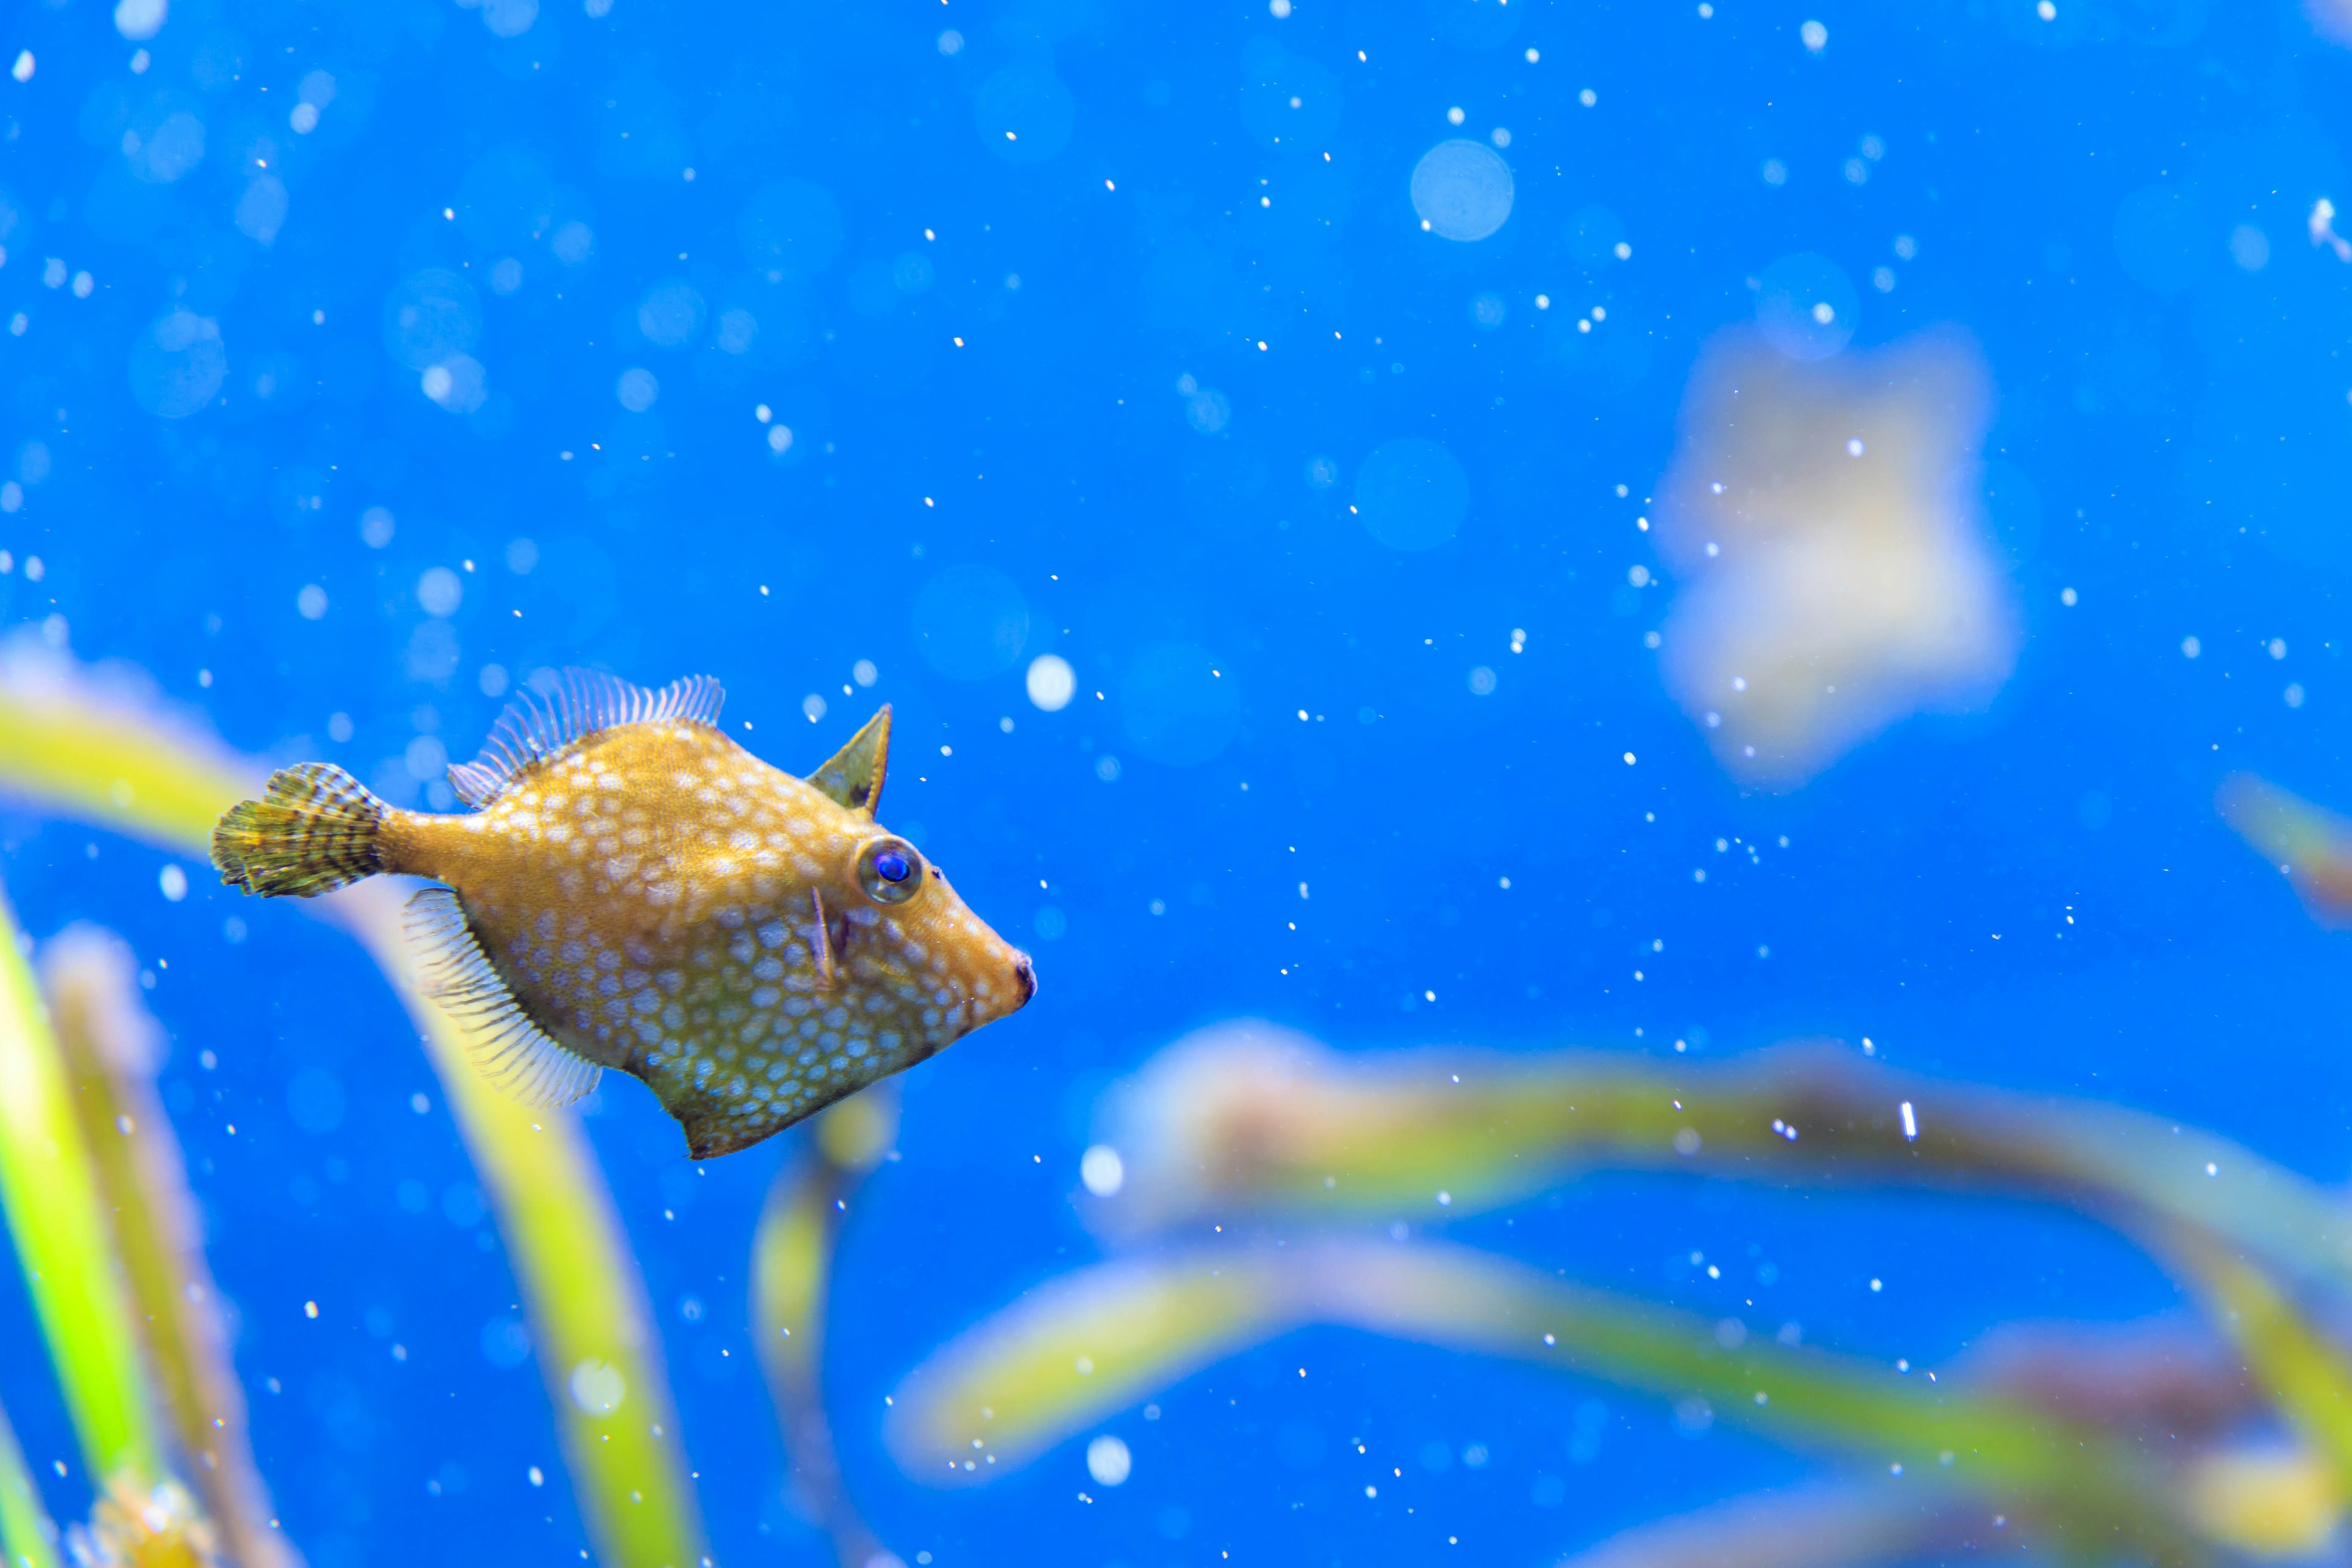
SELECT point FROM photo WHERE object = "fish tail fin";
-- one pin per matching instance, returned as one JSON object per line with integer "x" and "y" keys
{"x": 315, "y": 829}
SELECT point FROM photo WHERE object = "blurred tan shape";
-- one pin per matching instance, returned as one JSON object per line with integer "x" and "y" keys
{"x": 2322, "y": 227}
{"x": 2331, "y": 19}
{"x": 1829, "y": 589}
{"x": 113, "y": 1047}
{"x": 2265, "y": 1499}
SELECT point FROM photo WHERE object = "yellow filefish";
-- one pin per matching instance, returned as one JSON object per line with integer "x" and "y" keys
{"x": 635, "y": 890}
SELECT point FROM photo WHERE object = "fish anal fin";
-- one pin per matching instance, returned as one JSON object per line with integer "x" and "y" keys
{"x": 708, "y": 1136}
{"x": 517, "y": 1056}
{"x": 576, "y": 703}
{"x": 853, "y": 775}
{"x": 715, "y": 1124}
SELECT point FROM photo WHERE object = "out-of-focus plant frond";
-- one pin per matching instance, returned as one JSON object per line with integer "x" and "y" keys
{"x": 57, "y": 1220}
{"x": 112, "y": 1047}
{"x": 2264, "y": 1501}
{"x": 1248, "y": 1117}
{"x": 2305, "y": 1374}
{"x": 791, "y": 1282}
{"x": 98, "y": 749}
{"x": 28, "y": 1538}
{"x": 1094, "y": 1341}
{"x": 1836, "y": 1526}
{"x": 2158, "y": 1376}
{"x": 592, "y": 1324}
{"x": 155, "y": 1528}
{"x": 1075, "y": 1350}
{"x": 2311, "y": 845}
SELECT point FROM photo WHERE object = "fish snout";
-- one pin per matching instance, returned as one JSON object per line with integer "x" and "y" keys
{"x": 1025, "y": 978}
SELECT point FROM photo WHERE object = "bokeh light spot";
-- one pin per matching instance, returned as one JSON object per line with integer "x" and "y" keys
{"x": 971, "y": 623}
{"x": 1179, "y": 706}
{"x": 1412, "y": 494}
{"x": 1462, "y": 190}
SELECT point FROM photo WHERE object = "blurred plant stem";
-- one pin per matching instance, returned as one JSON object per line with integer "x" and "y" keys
{"x": 109, "y": 756}
{"x": 59, "y": 1222}
{"x": 28, "y": 1537}
{"x": 592, "y": 1324}
{"x": 112, "y": 1049}
{"x": 1249, "y": 1118}
{"x": 2311, "y": 845}
{"x": 1839, "y": 1526}
{"x": 1091, "y": 1342}
{"x": 791, "y": 1283}
{"x": 2305, "y": 1376}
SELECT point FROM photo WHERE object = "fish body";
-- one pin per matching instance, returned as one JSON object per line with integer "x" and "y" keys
{"x": 638, "y": 891}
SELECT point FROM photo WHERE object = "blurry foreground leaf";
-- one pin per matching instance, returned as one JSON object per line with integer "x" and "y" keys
{"x": 99, "y": 749}
{"x": 1092, "y": 1342}
{"x": 2271, "y": 1501}
{"x": 50, "y": 1192}
{"x": 2311, "y": 845}
{"x": 112, "y": 1048}
{"x": 2305, "y": 1376}
{"x": 27, "y": 1537}
{"x": 158, "y": 1527}
{"x": 791, "y": 1283}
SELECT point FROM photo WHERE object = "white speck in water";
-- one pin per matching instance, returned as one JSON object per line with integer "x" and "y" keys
{"x": 1108, "y": 1461}
{"x": 1102, "y": 1170}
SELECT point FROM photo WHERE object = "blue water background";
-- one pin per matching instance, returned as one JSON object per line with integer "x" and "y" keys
{"x": 2170, "y": 442}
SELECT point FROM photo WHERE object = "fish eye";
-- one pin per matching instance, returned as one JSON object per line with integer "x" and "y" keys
{"x": 890, "y": 870}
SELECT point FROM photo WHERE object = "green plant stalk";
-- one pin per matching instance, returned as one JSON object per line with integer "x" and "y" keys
{"x": 793, "y": 1254}
{"x": 50, "y": 1192}
{"x": 111, "y": 1046}
{"x": 1370, "y": 1134}
{"x": 1093, "y": 1342}
{"x": 1839, "y": 1525}
{"x": 1802, "y": 1398}
{"x": 578, "y": 1280}
{"x": 83, "y": 752}
{"x": 2311, "y": 845}
{"x": 28, "y": 1538}
{"x": 2305, "y": 1374}
{"x": 1075, "y": 1350}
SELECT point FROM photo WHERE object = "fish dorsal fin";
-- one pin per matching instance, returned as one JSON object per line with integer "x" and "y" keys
{"x": 512, "y": 1051}
{"x": 853, "y": 777}
{"x": 537, "y": 725}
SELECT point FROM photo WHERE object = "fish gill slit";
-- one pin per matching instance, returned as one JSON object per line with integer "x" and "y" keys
{"x": 828, "y": 974}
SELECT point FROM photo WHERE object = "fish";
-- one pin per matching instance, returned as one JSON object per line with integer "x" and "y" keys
{"x": 633, "y": 889}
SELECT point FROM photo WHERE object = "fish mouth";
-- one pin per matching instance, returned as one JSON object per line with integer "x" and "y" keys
{"x": 1025, "y": 977}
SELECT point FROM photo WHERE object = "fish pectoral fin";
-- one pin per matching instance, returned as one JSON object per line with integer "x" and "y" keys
{"x": 507, "y": 1044}
{"x": 853, "y": 775}
{"x": 828, "y": 971}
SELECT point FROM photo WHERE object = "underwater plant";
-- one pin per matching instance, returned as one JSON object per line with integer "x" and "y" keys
{"x": 1290, "y": 1145}
{"x": 2310, "y": 845}
{"x": 2041, "y": 1435}
{"x": 96, "y": 746}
